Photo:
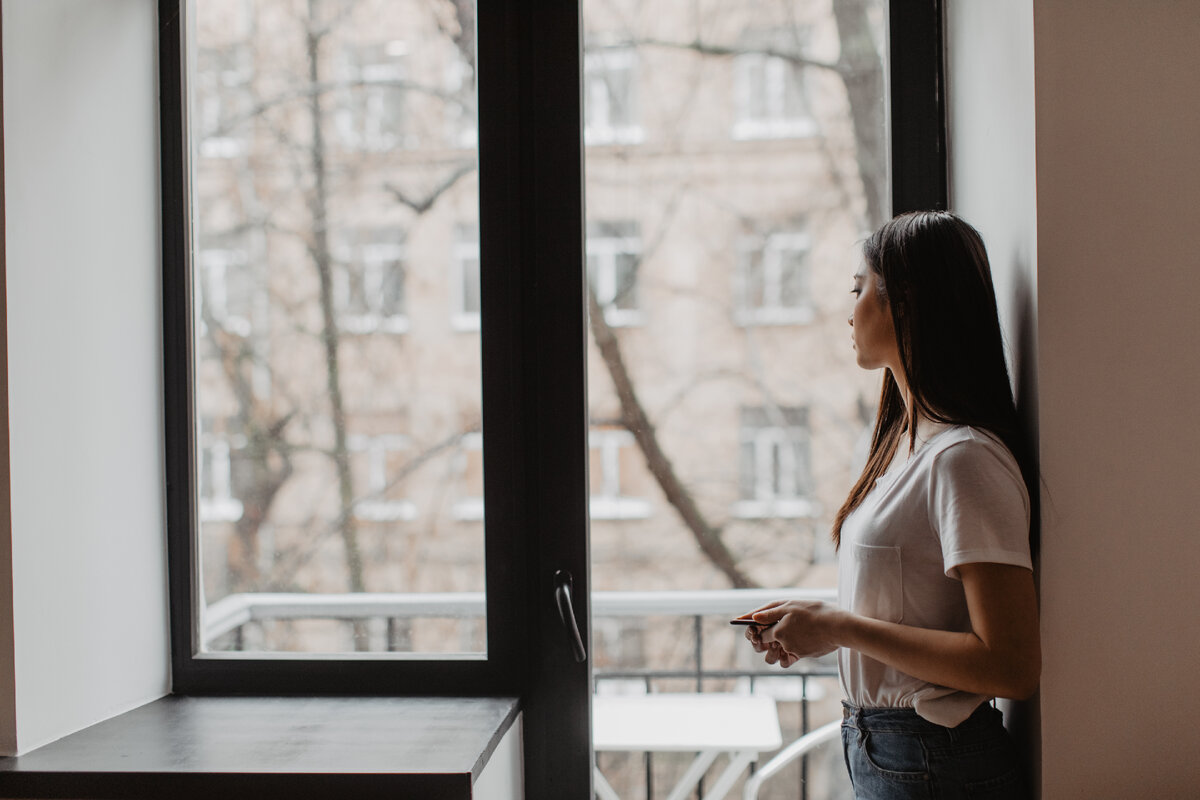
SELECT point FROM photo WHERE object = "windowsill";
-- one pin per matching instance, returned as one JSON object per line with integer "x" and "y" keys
{"x": 779, "y": 508}
{"x": 297, "y": 747}
{"x": 609, "y": 507}
{"x": 774, "y": 315}
{"x": 365, "y": 324}
{"x": 759, "y": 129}
{"x": 465, "y": 321}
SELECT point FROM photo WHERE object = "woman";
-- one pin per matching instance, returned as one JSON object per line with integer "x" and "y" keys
{"x": 936, "y": 612}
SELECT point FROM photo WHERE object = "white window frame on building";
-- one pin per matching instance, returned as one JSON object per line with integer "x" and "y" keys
{"x": 372, "y": 507}
{"x": 468, "y": 508}
{"x": 609, "y": 502}
{"x": 462, "y": 129}
{"x": 371, "y": 115}
{"x": 221, "y": 265}
{"x": 371, "y": 259}
{"x": 771, "y": 99}
{"x": 614, "y": 254}
{"x": 610, "y": 112}
{"x": 775, "y": 464}
{"x": 222, "y": 95}
{"x": 215, "y": 478}
{"x": 766, "y": 264}
{"x": 464, "y": 270}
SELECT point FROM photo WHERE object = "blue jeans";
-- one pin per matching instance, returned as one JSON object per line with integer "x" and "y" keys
{"x": 894, "y": 754}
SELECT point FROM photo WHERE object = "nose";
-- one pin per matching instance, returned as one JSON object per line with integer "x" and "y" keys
{"x": 850, "y": 320}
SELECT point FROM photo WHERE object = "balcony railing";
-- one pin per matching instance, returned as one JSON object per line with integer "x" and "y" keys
{"x": 706, "y": 654}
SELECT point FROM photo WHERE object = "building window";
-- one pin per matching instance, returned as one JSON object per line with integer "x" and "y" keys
{"x": 614, "y": 253}
{"x": 611, "y": 454}
{"x": 464, "y": 266}
{"x": 770, "y": 94}
{"x": 223, "y": 99}
{"x": 469, "y": 505}
{"x": 609, "y": 97}
{"x": 217, "y": 501}
{"x": 370, "y": 283}
{"x": 461, "y": 126}
{"x": 375, "y": 462}
{"x": 228, "y": 286}
{"x": 775, "y": 475}
{"x": 773, "y": 280}
{"x": 371, "y": 115}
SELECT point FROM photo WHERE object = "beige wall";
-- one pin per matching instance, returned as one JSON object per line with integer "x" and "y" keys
{"x": 1118, "y": 125}
{"x": 1105, "y": 351}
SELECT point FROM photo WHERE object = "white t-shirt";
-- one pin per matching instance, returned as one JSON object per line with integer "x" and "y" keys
{"x": 958, "y": 499}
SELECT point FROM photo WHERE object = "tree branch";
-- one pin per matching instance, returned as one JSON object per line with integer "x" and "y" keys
{"x": 724, "y": 50}
{"x": 637, "y": 422}
{"x": 420, "y": 205}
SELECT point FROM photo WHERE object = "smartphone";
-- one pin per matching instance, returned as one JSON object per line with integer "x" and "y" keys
{"x": 742, "y": 621}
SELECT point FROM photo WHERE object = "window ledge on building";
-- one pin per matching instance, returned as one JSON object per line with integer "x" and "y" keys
{"x": 758, "y": 129}
{"x": 465, "y": 321}
{"x": 610, "y": 507}
{"x": 296, "y": 747}
{"x": 363, "y": 324}
{"x": 774, "y": 315}
{"x": 779, "y": 508}
{"x": 385, "y": 511}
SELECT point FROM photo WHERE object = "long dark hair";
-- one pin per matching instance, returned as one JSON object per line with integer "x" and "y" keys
{"x": 934, "y": 274}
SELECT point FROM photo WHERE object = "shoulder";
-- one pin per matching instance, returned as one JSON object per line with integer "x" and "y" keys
{"x": 964, "y": 444}
{"x": 965, "y": 455}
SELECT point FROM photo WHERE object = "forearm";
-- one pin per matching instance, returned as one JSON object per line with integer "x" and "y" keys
{"x": 958, "y": 660}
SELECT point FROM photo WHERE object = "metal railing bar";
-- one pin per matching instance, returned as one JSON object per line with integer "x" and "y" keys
{"x": 235, "y": 610}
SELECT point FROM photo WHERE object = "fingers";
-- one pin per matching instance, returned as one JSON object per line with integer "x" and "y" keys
{"x": 770, "y": 614}
{"x": 773, "y": 604}
{"x": 775, "y": 654}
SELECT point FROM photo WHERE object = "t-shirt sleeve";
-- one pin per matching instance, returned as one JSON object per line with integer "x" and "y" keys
{"x": 979, "y": 506}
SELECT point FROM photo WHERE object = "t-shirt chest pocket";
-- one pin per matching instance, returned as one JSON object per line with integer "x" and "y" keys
{"x": 879, "y": 583}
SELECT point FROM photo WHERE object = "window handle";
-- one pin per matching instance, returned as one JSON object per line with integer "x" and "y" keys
{"x": 564, "y": 585}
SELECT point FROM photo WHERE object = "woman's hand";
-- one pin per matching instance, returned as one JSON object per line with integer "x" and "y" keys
{"x": 793, "y": 629}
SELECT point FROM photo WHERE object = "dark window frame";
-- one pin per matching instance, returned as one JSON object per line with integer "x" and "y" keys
{"x": 530, "y": 154}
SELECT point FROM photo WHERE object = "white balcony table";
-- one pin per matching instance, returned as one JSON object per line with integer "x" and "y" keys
{"x": 709, "y": 725}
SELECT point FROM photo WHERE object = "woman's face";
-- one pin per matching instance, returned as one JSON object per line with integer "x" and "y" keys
{"x": 872, "y": 331}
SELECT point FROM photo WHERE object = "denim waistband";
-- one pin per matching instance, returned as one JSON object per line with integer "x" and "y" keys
{"x": 907, "y": 719}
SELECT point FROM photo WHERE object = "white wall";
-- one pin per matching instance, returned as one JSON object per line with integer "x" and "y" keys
{"x": 1118, "y": 255}
{"x": 502, "y": 777}
{"x": 88, "y": 602}
{"x": 993, "y": 184}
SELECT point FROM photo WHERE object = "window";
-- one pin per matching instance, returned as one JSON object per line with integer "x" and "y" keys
{"x": 773, "y": 280}
{"x": 223, "y": 99}
{"x": 610, "y": 100}
{"x": 461, "y": 128}
{"x": 378, "y": 459}
{"x": 770, "y": 93}
{"x": 228, "y": 285}
{"x": 775, "y": 472}
{"x": 371, "y": 282}
{"x": 372, "y": 113}
{"x": 530, "y": 205}
{"x": 612, "y": 453}
{"x": 464, "y": 267}
{"x": 614, "y": 253}
{"x": 217, "y": 501}
{"x": 469, "y": 504}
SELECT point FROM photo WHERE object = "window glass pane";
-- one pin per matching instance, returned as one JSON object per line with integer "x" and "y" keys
{"x": 735, "y": 216}
{"x": 336, "y": 263}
